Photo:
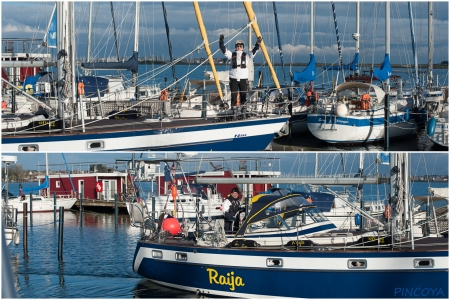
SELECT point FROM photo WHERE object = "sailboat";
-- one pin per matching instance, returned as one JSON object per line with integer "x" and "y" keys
{"x": 149, "y": 129}
{"x": 356, "y": 111}
{"x": 220, "y": 266}
{"x": 9, "y": 213}
{"x": 435, "y": 97}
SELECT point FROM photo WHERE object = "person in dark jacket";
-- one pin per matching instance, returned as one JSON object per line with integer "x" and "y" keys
{"x": 235, "y": 206}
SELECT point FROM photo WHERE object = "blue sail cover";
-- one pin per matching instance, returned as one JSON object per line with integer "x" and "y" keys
{"x": 385, "y": 71}
{"x": 44, "y": 185}
{"x": 129, "y": 65}
{"x": 50, "y": 35}
{"x": 308, "y": 74}
{"x": 353, "y": 66}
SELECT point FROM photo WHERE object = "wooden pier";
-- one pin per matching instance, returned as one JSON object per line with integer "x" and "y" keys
{"x": 100, "y": 205}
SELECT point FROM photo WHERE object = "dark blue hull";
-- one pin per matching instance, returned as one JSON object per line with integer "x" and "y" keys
{"x": 203, "y": 272}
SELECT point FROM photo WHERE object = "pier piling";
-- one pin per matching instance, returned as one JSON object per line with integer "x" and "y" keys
{"x": 61, "y": 233}
{"x": 31, "y": 210}
{"x": 81, "y": 209}
{"x": 54, "y": 208}
{"x": 116, "y": 211}
{"x": 25, "y": 230}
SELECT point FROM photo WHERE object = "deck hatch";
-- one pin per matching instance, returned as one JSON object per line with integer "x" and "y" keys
{"x": 274, "y": 262}
{"x": 357, "y": 264}
{"x": 424, "y": 263}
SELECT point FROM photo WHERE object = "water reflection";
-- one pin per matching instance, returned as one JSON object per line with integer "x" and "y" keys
{"x": 147, "y": 289}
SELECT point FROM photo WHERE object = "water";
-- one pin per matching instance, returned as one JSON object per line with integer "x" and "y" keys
{"x": 97, "y": 257}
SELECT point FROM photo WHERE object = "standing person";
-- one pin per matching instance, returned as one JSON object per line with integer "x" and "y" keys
{"x": 239, "y": 70}
{"x": 235, "y": 206}
{"x": 228, "y": 215}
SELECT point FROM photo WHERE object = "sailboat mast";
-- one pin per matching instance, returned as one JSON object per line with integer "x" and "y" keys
{"x": 430, "y": 45}
{"x": 413, "y": 40}
{"x": 341, "y": 64}
{"x": 279, "y": 42}
{"x": 356, "y": 35}
{"x": 168, "y": 41}
{"x": 86, "y": 71}
{"x": 136, "y": 49}
{"x": 115, "y": 32}
{"x": 207, "y": 49}
{"x": 388, "y": 38}
{"x": 251, "y": 18}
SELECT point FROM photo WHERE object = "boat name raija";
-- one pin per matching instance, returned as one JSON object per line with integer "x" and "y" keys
{"x": 230, "y": 279}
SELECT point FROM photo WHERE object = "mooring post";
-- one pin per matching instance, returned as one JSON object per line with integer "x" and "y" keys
{"x": 116, "y": 211}
{"x": 31, "y": 210}
{"x": 25, "y": 230}
{"x": 60, "y": 233}
{"x": 54, "y": 208}
{"x": 81, "y": 209}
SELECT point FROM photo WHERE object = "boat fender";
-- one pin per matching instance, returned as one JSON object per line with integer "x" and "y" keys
{"x": 387, "y": 212}
{"x": 80, "y": 88}
{"x": 4, "y": 105}
{"x": 406, "y": 114}
{"x": 357, "y": 219}
{"x": 341, "y": 110}
{"x": 171, "y": 225}
{"x": 431, "y": 126}
{"x": 242, "y": 244}
{"x": 16, "y": 237}
{"x": 163, "y": 95}
{"x": 300, "y": 243}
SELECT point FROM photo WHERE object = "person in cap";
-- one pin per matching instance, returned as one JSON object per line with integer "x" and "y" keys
{"x": 235, "y": 206}
{"x": 239, "y": 71}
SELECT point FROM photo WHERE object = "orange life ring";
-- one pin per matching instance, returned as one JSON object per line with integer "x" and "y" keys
{"x": 163, "y": 95}
{"x": 4, "y": 105}
{"x": 80, "y": 88}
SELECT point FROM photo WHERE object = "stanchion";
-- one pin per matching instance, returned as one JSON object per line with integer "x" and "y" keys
{"x": 61, "y": 233}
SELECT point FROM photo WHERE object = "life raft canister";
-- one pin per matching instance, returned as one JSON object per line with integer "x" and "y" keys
{"x": 80, "y": 88}
{"x": 163, "y": 95}
{"x": 365, "y": 101}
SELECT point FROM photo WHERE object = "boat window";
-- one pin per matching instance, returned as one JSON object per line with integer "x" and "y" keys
{"x": 274, "y": 262}
{"x": 95, "y": 145}
{"x": 424, "y": 263}
{"x": 315, "y": 214}
{"x": 29, "y": 148}
{"x": 181, "y": 256}
{"x": 357, "y": 264}
{"x": 157, "y": 254}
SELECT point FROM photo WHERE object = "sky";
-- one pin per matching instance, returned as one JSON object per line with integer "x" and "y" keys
{"x": 230, "y": 19}
{"x": 291, "y": 164}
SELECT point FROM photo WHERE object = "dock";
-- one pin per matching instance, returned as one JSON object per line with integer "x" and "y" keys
{"x": 100, "y": 205}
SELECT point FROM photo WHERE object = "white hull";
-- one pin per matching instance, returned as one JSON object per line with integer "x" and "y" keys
{"x": 343, "y": 130}
{"x": 41, "y": 204}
